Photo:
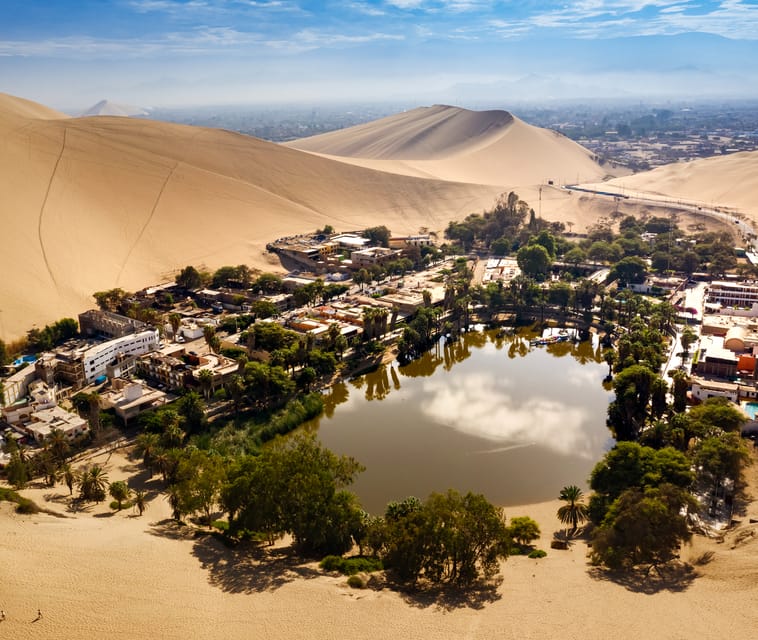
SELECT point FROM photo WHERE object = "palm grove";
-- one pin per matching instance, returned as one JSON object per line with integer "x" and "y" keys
{"x": 641, "y": 487}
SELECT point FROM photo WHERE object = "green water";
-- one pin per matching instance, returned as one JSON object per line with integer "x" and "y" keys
{"x": 488, "y": 414}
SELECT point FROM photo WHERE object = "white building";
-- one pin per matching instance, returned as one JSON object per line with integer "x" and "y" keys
{"x": 97, "y": 358}
{"x": 733, "y": 294}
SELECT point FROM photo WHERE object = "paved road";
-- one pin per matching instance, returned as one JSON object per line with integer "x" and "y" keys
{"x": 723, "y": 214}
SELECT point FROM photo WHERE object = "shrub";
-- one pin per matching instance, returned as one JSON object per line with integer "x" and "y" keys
{"x": 23, "y": 505}
{"x": 351, "y": 566}
{"x": 221, "y": 525}
{"x": 356, "y": 582}
{"x": 537, "y": 553}
{"x": 26, "y": 506}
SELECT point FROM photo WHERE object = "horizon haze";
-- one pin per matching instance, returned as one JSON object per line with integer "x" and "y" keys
{"x": 199, "y": 52}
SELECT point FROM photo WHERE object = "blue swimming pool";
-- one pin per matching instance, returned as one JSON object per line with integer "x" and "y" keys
{"x": 751, "y": 408}
{"x": 24, "y": 360}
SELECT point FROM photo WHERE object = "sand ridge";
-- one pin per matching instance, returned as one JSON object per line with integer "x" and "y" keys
{"x": 87, "y": 204}
{"x": 451, "y": 143}
{"x": 730, "y": 181}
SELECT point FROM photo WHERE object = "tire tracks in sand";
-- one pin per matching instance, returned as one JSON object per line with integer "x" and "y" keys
{"x": 41, "y": 216}
{"x": 147, "y": 222}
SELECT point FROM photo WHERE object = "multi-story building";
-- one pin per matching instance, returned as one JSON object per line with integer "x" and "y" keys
{"x": 166, "y": 369}
{"x": 104, "y": 323}
{"x": 733, "y": 294}
{"x": 95, "y": 359}
{"x": 373, "y": 255}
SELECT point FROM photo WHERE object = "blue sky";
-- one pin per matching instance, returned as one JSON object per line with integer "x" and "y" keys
{"x": 172, "y": 52}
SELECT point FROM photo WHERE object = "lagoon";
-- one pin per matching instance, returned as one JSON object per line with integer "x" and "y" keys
{"x": 488, "y": 413}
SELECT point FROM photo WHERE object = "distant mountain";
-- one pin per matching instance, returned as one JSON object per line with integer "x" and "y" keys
{"x": 108, "y": 108}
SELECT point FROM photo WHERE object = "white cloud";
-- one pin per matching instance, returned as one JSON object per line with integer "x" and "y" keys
{"x": 480, "y": 406}
{"x": 366, "y": 9}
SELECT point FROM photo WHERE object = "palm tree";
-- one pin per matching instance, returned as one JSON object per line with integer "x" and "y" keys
{"x": 59, "y": 446}
{"x": 92, "y": 483}
{"x": 148, "y": 446}
{"x": 574, "y": 511}
{"x": 140, "y": 501}
{"x": 69, "y": 477}
{"x": 205, "y": 376}
{"x": 175, "y": 320}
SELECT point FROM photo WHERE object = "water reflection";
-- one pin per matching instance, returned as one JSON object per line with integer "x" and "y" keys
{"x": 487, "y": 413}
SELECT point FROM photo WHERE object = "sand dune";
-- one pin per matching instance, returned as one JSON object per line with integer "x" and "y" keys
{"x": 92, "y": 203}
{"x": 728, "y": 181}
{"x": 450, "y": 143}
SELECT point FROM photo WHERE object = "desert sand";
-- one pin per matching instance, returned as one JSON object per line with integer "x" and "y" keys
{"x": 450, "y": 143}
{"x": 88, "y": 204}
{"x": 116, "y": 575}
{"x": 726, "y": 181}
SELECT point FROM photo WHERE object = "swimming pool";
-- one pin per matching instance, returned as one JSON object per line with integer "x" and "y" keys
{"x": 24, "y": 360}
{"x": 751, "y": 408}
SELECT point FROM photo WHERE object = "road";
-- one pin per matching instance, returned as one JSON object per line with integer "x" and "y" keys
{"x": 727, "y": 215}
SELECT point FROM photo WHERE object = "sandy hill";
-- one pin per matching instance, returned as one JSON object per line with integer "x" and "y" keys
{"x": 729, "y": 181}
{"x": 450, "y": 143}
{"x": 88, "y": 204}
{"x": 108, "y": 108}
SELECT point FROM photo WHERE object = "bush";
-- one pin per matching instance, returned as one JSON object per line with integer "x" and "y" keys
{"x": 26, "y": 506}
{"x": 356, "y": 582}
{"x": 23, "y": 505}
{"x": 537, "y": 553}
{"x": 351, "y": 566}
{"x": 221, "y": 525}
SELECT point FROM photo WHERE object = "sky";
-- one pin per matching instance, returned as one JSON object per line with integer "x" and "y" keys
{"x": 72, "y": 53}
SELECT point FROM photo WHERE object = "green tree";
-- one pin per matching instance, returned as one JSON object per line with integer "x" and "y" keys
{"x": 378, "y": 235}
{"x": 120, "y": 492}
{"x": 688, "y": 338}
{"x": 297, "y": 486}
{"x": 534, "y": 260}
{"x": 191, "y": 410}
{"x": 719, "y": 458}
{"x": 629, "y": 410}
{"x": 575, "y": 256}
{"x": 574, "y": 512}
{"x": 679, "y": 390}
{"x": 524, "y": 530}
{"x": 17, "y": 471}
{"x": 4, "y": 358}
{"x": 189, "y": 278}
{"x": 69, "y": 477}
{"x": 713, "y": 416}
{"x": 198, "y": 480}
{"x": 643, "y": 527}
{"x": 205, "y": 377}
{"x": 175, "y": 320}
{"x": 631, "y": 465}
{"x": 449, "y": 539}
{"x": 630, "y": 270}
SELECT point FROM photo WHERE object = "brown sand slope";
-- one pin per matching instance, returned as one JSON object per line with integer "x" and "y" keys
{"x": 730, "y": 181}
{"x": 450, "y": 143}
{"x": 88, "y": 204}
